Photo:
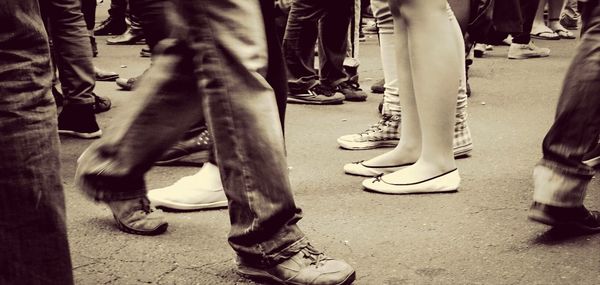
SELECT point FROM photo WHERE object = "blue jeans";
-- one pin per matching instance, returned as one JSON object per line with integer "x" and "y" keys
{"x": 33, "y": 238}
{"x": 329, "y": 21}
{"x": 561, "y": 178}
{"x": 217, "y": 71}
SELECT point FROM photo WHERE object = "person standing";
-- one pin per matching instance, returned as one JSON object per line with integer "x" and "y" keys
{"x": 327, "y": 21}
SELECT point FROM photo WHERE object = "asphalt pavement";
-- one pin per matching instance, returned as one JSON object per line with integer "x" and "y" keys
{"x": 479, "y": 235}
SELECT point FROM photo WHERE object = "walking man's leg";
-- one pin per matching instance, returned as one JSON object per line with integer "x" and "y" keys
{"x": 561, "y": 178}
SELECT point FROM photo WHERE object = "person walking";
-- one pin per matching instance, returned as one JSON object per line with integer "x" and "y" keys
{"x": 561, "y": 178}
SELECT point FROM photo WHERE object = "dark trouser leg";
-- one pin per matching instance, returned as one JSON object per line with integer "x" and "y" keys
{"x": 333, "y": 40}
{"x": 151, "y": 15}
{"x": 299, "y": 43}
{"x": 72, "y": 50}
{"x": 118, "y": 9}
{"x": 33, "y": 237}
{"x": 561, "y": 178}
{"x": 211, "y": 73}
{"x": 88, "y": 8}
{"x": 528, "y": 10}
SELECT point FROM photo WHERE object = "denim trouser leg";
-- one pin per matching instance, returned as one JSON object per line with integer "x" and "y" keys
{"x": 299, "y": 42}
{"x": 33, "y": 238}
{"x": 571, "y": 9}
{"x": 561, "y": 178}
{"x": 72, "y": 50}
{"x": 309, "y": 19}
{"x": 218, "y": 71}
{"x": 333, "y": 40}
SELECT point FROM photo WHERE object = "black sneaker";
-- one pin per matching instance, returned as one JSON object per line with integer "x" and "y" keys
{"x": 352, "y": 91}
{"x": 377, "y": 87}
{"x": 592, "y": 159}
{"x": 316, "y": 95}
{"x": 79, "y": 121}
{"x": 111, "y": 26}
{"x": 194, "y": 150}
{"x": 577, "y": 218}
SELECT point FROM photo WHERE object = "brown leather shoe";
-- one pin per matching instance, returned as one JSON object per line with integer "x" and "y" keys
{"x": 135, "y": 216}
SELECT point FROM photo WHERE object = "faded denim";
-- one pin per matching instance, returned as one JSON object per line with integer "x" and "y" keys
{"x": 216, "y": 71}
{"x": 33, "y": 239}
{"x": 561, "y": 178}
{"x": 308, "y": 20}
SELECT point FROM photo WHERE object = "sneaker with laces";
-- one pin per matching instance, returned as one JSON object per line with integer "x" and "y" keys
{"x": 386, "y": 133}
{"x": 316, "y": 95}
{"x": 135, "y": 216}
{"x": 524, "y": 51}
{"x": 462, "y": 144}
{"x": 202, "y": 190}
{"x": 307, "y": 267}
{"x": 352, "y": 91}
{"x": 576, "y": 218}
{"x": 194, "y": 150}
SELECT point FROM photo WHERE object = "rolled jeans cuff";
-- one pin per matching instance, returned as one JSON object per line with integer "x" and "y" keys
{"x": 558, "y": 189}
{"x": 270, "y": 260}
{"x": 101, "y": 180}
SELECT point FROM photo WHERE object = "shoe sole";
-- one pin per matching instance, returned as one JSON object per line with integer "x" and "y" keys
{"x": 463, "y": 150}
{"x": 250, "y": 273}
{"x": 538, "y": 217}
{"x": 93, "y": 135}
{"x": 196, "y": 158}
{"x": 188, "y": 207}
{"x": 306, "y": 102}
{"x": 107, "y": 78}
{"x": 367, "y": 145}
{"x": 592, "y": 162}
{"x": 159, "y": 230}
{"x": 527, "y": 56}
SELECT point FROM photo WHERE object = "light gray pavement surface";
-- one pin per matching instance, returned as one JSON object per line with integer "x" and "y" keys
{"x": 479, "y": 235}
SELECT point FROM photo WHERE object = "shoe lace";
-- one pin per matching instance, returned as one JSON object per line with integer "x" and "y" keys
{"x": 385, "y": 121}
{"x": 315, "y": 256}
{"x": 350, "y": 85}
{"x": 377, "y": 178}
{"x": 203, "y": 138}
{"x": 145, "y": 206}
{"x": 320, "y": 89}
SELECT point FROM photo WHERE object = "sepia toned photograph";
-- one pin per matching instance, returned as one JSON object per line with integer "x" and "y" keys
{"x": 299, "y": 142}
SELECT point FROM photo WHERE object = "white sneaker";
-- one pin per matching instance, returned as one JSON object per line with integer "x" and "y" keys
{"x": 386, "y": 133}
{"x": 202, "y": 190}
{"x": 523, "y": 51}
